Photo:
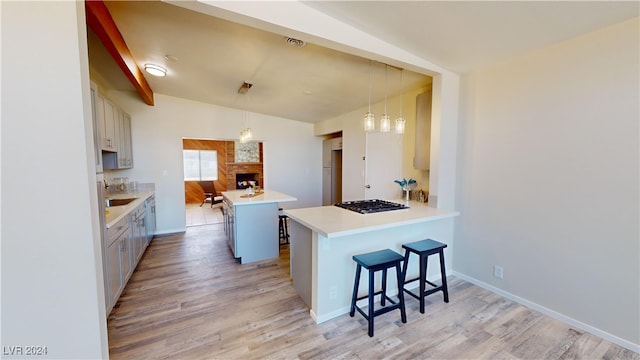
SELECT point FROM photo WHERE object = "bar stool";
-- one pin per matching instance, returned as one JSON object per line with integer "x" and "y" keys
{"x": 424, "y": 249}
{"x": 377, "y": 261}
{"x": 283, "y": 228}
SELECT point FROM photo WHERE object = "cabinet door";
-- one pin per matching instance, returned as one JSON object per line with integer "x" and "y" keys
{"x": 114, "y": 277}
{"x": 97, "y": 137}
{"x": 122, "y": 161}
{"x": 110, "y": 117}
{"x": 126, "y": 139}
{"x": 125, "y": 256}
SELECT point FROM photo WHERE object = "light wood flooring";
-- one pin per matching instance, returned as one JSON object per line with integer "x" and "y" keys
{"x": 189, "y": 299}
{"x": 197, "y": 215}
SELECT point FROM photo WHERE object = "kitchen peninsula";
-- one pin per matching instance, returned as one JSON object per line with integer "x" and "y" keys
{"x": 251, "y": 223}
{"x": 324, "y": 239}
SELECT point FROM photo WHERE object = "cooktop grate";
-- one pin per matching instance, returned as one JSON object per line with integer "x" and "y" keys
{"x": 370, "y": 206}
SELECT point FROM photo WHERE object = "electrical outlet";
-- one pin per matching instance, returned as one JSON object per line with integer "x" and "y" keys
{"x": 333, "y": 292}
{"x": 498, "y": 271}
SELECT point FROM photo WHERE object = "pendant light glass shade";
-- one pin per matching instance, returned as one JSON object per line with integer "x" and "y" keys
{"x": 385, "y": 123}
{"x": 369, "y": 120}
{"x": 400, "y": 121}
{"x": 400, "y": 125}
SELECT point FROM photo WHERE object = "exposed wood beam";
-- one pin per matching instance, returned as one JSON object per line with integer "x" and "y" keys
{"x": 100, "y": 21}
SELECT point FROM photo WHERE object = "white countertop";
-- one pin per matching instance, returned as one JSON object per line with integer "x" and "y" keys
{"x": 267, "y": 196}
{"x": 332, "y": 221}
{"x": 114, "y": 214}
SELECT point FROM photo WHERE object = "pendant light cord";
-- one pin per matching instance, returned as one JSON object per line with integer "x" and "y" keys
{"x": 385, "y": 88}
{"x": 369, "y": 86}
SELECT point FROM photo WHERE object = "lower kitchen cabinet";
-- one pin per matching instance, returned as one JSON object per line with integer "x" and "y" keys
{"x": 117, "y": 260}
{"x": 125, "y": 243}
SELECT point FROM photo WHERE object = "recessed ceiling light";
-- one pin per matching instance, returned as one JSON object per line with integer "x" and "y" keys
{"x": 155, "y": 70}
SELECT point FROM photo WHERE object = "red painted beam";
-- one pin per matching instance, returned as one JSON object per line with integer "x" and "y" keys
{"x": 100, "y": 21}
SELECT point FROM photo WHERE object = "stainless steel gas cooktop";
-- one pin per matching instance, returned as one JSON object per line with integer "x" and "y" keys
{"x": 370, "y": 206}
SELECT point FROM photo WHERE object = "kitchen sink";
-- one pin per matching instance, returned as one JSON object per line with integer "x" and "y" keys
{"x": 118, "y": 202}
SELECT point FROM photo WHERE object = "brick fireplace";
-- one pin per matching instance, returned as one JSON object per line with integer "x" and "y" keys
{"x": 234, "y": 168}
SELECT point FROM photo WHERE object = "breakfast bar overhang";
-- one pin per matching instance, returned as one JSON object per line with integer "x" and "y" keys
{"x": 324, "y": 239}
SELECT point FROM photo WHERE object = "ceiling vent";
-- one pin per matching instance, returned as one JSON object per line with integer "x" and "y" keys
{"x": 295, "y": 42}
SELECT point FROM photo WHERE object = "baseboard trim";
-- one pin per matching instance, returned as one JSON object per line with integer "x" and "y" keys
{"x": 169, "y": 232}
{"x": 554, "y": 314}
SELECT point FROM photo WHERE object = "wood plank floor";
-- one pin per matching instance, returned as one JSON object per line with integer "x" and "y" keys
{"x": 189, "y": 299}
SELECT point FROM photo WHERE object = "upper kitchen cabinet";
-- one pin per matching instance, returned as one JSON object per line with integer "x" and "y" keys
{"x": 422, "y": 156}
{"x": 125, "y": 158}
{"x": 114, "y": 132}
{"x": 97, "y": 137}
{"x": 107, "y": 116}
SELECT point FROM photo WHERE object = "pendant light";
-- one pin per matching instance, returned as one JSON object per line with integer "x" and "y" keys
{"x": 246, "y": 135}
{"x": 369, "y": 118}
{"x": 400, "y": 121}
{"x": 385, "y": 120}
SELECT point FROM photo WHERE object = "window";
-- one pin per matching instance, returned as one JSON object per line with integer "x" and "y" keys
{"x": 200, "y": 165}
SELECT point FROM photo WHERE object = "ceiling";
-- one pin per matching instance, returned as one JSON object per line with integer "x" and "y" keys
{"x": 209, "y": 58}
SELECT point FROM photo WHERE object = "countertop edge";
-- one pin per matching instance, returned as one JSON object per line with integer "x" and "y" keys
{"x": 352, "y": 231}
{"x": 125, "y": 210}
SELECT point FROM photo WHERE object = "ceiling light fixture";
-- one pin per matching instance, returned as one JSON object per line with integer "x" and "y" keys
{"x": 369, "y": 118}
{"x": 155, "y": 70}
{"x": 294, "y": 42}
{"x": 385, "y": 120}
{"x": 246, "y": 135}
{"x": 244, "y": 87}
{"x": 400, "y": 121}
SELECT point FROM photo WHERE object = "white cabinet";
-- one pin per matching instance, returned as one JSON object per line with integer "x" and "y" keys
{"x": 97, "y": 133}
{"x": 117, "y": 153}
{"x": 138, "y": 235}
{"x": 125, "y": 138}
{"x": 125, "y": 160}
{"x": 422, "y": 156}
{"x": 108, "y": 122}
{"x": 117, "y": 260}
{"x": 150, "y": 218}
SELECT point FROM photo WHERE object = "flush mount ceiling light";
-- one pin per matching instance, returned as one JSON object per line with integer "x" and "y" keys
{"x": 155, "y": 70}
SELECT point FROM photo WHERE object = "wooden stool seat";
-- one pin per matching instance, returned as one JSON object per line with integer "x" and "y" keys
{"x": 425, "y": 248}
{"x": 378, "y": 261}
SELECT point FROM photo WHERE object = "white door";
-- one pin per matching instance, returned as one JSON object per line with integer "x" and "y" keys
{"x": 383, "y": 165}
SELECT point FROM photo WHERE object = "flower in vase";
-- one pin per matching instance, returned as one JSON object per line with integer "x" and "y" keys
{"x": 406, "y": 184}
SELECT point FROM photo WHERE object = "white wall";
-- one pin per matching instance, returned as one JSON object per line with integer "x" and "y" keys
{"x": 353, "y": 144}
{"x": 292, "y": 154}
{"x": 548, "y": 180}
{"x": 52, "y": 292}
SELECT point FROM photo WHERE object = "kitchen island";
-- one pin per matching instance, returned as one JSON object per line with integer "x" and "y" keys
{"x": 251, "y": 223}
{"x": 324, "y": 239}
